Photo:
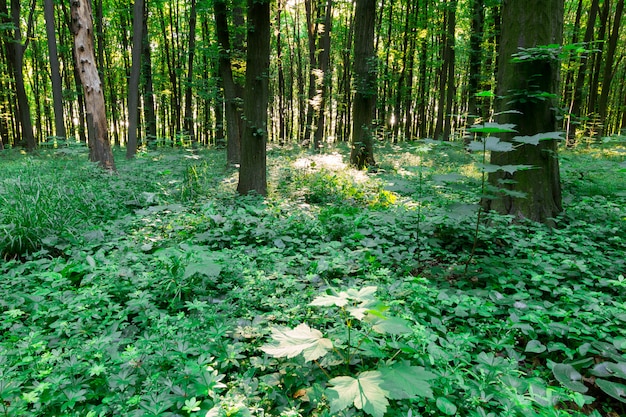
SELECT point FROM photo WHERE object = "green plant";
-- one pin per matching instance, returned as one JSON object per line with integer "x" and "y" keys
{"x": 363, "y": 368}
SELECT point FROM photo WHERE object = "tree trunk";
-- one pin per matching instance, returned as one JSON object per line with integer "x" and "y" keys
{"x": 189, "y": 118}
{"x": 607, "y": 77}
{"x": 15, "y": 59}
{"x": 577, "y": 95}
{"x": 362, "y": 154}
{"x": 149, "y": 115}
{"x": 133, "y": 83}
{"x": 475, "y": 60}
{"x": 57, "y": 87}
{"x": 528, "y": 24}
{"x": 82, "y": 27}
{"x": 232, "y": 111}
{"x": 450, "y": 57}
{"x": 252, "y": 171}
{"x": 322, "y": 84}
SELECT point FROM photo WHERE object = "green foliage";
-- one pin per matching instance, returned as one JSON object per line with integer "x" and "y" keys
{"x": 164, "y": 303}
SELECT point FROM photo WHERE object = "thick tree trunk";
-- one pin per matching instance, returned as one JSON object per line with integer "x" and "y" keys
{"x": 57, "y": 87}
{"x": 133, "y": 83}
{"x": 362, "y": 154}
{"x": 253, "y": 171}
{"x": 322, "y": 84}
{"x": 82, "y": 27}
{"x": 527, "y": 25}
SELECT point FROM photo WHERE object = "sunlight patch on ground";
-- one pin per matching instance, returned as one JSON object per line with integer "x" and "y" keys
{"x": 333, "y": 161}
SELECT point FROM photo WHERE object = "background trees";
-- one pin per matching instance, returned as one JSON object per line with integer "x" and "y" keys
{"x": 431, "y": 59}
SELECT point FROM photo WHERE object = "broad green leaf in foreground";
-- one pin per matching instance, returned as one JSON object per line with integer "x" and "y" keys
{"x": 405, "y": 381}
{"x": 364, "y": 392}
{"x": 615, "y": 390}
{"x": 490, "y": 144}
{"x": 535, "y": 139}
{"x": 567, "y": 375}
{"x": 301, "y": 339}
{"x": 493, "y": 128}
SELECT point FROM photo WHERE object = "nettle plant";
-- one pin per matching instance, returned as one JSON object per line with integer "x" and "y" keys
{"x": 362, "y": 364}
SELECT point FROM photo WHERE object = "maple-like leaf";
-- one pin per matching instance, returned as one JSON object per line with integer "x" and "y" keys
{"x": 364, "y": 392}
{"x": 300, "y": 340}
{"x": 405, "y": 381}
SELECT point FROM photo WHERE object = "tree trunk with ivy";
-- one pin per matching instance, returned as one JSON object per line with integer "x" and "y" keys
{"x": 82, "y": 27}
{"x": 528, "y": 87}
{"x": 362, "y": 154}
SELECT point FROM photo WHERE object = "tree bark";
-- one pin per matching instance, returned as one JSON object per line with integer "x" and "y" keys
{"x": 607, "y": 78}
{"x": 149, "y": 115}
{"x": 233, "y": 110}
{"x": 475, "y": 60}
{"x": 133, "y": 83}
{"x": 191, "y": 50}
{"x": 57, "y": 87}
{"x": 362, "y": 154}
{"x": 528, "y": 24}
{"x": 253, "y": 171}
{"x": 15, "y": 59}
{"x": 82, "y": 27}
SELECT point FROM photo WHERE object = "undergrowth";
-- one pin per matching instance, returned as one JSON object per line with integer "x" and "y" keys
{"x": 158, "y": 292}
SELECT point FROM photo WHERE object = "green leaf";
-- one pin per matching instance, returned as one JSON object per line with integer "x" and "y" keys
{"x": 301, "y": 339}
{"x": 615, "y": 390}
{"x": 569, "y": 377}
{"x": 352, "y": 295}
{"x": 493, "y": 128}
{"x": 535, "y": 139}
{"x": 511, "y": 169}
{"x": 405, "y": 381}
{"x": 490, "y": 143}
{"x": 364, "y": 392}
{"x": 389, "y": 325}
{"x": 535, "y": 346}
{"x": 446, "y": 406}
{"x": 207, "y": 268}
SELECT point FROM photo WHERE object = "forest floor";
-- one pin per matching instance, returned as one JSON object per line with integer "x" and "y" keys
{"x": 159, "y": 292}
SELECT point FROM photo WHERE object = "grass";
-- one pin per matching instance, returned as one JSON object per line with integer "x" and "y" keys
{"x": 154, "y": 292}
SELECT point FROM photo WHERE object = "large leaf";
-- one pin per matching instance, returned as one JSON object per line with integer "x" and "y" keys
{"x": 361, "y": 296}
{"x": 364, "y": 392}
{"x": 535, "y": 139}
{"x": 446, "y": 406}
{"x": 567, "y": 375}
{"x": 389, "y": 325}
{"x": 207, "y": 268}
{"x": 405, "y": 381}
{"x": 301, "y": 340}
{"x": 615, "y": 390}
{"x": 493, "y": 128}
{"x": 490, "y": 144}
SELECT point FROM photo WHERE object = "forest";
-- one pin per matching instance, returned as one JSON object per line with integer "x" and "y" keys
{"x": 216, "y": 208}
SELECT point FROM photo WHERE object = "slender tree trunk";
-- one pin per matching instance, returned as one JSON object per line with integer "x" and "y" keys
{"x": 324, "y": 78}
{"x": 594, "y": 82}
{"x": 57, "y": 86}
{"x": 450, "y": 56}
{"x": 189, "y": 118}
{"x": 577, "y": 96}
{"x": 15, "y": 59}
{"x": 232, "y": 100}
{"x": 82, "y": 27}
{"x": 527, "y": 25}
{"x": 281, "y": 76}
{"x": 133, "y": 84}
{"x": 475, "y": 60}
{"x": 362, "y": 154}
{"x": 149, "y": 115}
{"x": 253, "y": 171}
{"x": 609, "y": 69}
